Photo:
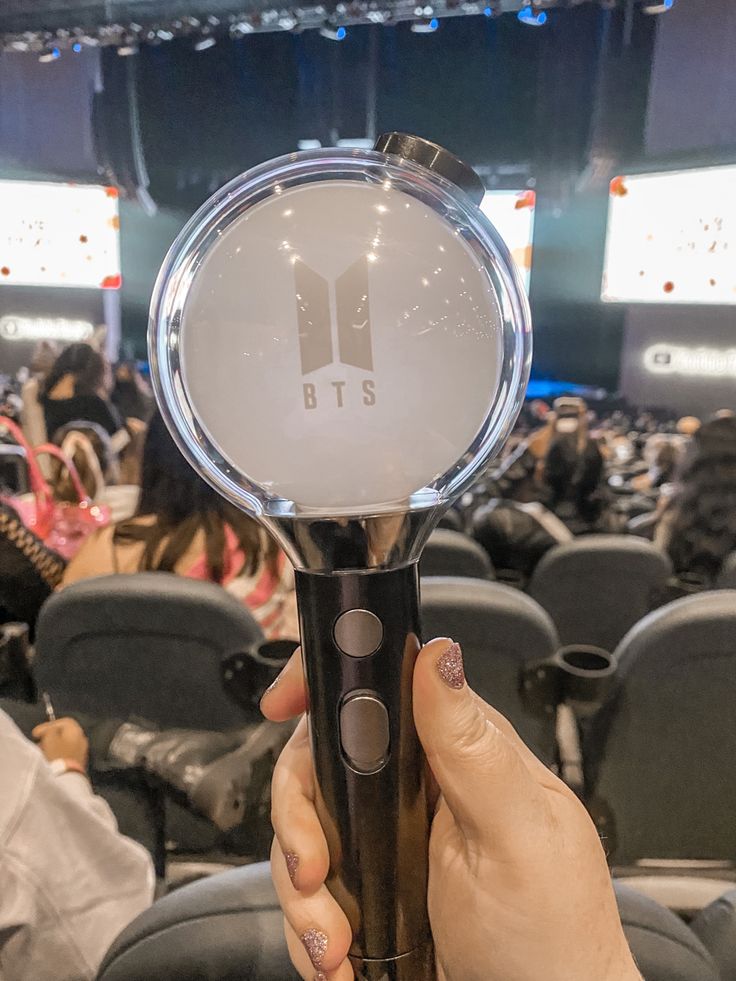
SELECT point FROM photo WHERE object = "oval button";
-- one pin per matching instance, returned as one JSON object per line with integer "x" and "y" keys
{"x": 358, "y": 633}
{"x": 364, "y": 732}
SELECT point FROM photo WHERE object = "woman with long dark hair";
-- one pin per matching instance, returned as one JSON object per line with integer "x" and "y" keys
{"x": 573, "y": 476}
{"x": 182, "y": 525}
{"x": 698, "y": 528}
{"x": 77, "y": 388}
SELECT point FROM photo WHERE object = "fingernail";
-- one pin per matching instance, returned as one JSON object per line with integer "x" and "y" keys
{"x": 273, "y": 684}
{"x": 450, "y": 666}
{"x": 319, "y": 976}
{"x": 292, "y": 864}
{"x": 316, "y": 944}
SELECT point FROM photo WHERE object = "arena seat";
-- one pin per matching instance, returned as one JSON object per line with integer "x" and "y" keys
{"x": 665, "y": 948}
{"x": 224, "y": 928}
{"x": 452, "y": 520}
{"x": 727, "y": 578}
{"x": 451, "y": 553}
{"x": 149, "y": 645}
{"x": 659, "y": 755}
{"x": 229, "y": 927}
{"x": 715, "y": 926}
{"x": 500, "y": 630}
{"x": 598, "y": 586}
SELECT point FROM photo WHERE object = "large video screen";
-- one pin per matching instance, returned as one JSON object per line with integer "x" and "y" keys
{"x": 672, "y": 238}
{"x": 512, "y": 214}
{"x": 59, "y": 235}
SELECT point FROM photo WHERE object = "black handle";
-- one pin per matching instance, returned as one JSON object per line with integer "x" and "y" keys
{"x": 360, "y": 639}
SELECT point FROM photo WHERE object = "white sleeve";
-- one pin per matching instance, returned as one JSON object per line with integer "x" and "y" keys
{"x": 79, "y": 787}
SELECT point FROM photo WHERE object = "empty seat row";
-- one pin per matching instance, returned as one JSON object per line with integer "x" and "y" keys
{"x": 595, "y": 588}
{"x": 658, "y": 754}
{"x": 229, "y": 927}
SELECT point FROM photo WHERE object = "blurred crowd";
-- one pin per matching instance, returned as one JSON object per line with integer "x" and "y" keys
{"x": 568, "y": 470}
{"x": 156, "y": 512}
{"x": 92, "y": 483}
{"x": 571, "y": 471}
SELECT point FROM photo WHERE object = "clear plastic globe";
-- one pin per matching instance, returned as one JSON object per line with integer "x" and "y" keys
{"x": 338, "y": 333}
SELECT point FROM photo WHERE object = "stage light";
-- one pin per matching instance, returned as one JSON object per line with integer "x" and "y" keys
{"x": 488, "y": 11}
{"x": 240, "y": 28}
{"x": 425, "y": 26}
{"x": 205, "y": 43}
{"x": 51, "y": 55}
{"x": 527, "y": 16}
{"x": 658, "y": 8}
{"x": 333, "y": 34}
{"x": 76, "y": 47}
{"x": 126, "y": 50}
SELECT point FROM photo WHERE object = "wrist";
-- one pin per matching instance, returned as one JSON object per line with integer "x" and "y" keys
{"x": 60, "y": 766}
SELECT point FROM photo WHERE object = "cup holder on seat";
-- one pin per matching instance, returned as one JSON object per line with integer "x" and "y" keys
{"x": 579, "y": 675}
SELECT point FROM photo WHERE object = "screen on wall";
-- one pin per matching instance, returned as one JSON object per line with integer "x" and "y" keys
{"x": 59, "y": 235}
{"x": 512, "y": 214}
{"x": 672, "y": 238}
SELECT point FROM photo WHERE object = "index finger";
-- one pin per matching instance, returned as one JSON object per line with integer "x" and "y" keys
{"x": 287, "y": 696}
{"x": 40, "y": 730}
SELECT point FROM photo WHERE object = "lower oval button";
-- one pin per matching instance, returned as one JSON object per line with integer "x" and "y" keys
{"x": 364, "y": 731}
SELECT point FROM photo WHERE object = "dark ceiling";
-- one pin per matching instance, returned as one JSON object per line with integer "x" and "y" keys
{"x": 217, "y": 16}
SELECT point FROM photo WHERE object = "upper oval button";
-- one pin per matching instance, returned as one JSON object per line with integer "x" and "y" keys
{"x": 358, "y": 633}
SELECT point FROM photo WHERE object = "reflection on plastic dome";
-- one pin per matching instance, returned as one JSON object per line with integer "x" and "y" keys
{"x": 341, "y": 344}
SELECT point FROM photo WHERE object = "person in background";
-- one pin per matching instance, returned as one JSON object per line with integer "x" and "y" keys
{"x": 32, "y": 415}
{"x": 182, "y": 525}
{"x": 515, "y": 527}
{"x": 70, "y": 881}
{"x": 29, "y": 572}
{"x": 662, "y": 454}
{"x": 130, "y": 394}
{"x": 688, "y": 425}
{"x": 698, "y": 526}
{"x": 77, "y": 387}
{"x": 573, "y": 471}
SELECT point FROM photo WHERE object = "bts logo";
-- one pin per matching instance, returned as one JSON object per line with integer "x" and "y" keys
{"x": 354, "y": 342}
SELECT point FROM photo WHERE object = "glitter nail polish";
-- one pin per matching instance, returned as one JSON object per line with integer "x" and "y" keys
{"x": 316, "y": 944}
{"x": 292, "y": 864}
{"x": 450, "y": 666}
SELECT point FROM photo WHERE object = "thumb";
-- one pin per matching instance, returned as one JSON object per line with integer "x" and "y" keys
{"x": 480, "y": 771}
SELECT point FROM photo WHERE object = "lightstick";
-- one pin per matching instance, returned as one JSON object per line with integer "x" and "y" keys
{"x": 339, "y": 343}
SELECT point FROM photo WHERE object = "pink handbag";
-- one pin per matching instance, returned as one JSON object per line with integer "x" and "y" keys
{"x": 61, "y": 526}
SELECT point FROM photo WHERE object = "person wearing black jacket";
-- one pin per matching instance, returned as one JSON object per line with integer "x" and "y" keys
{"x": 29, "y": 572}
{"x": 77, "y": 388}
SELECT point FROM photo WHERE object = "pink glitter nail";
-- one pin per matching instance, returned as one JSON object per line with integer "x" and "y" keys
{"x": 292, "y": 864}
{"x": 450, "y": 666}
{"x": 316, "y": 943}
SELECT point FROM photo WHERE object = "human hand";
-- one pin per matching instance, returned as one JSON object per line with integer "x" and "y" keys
{"x": 63, "y": 739}
{"x": 518, "y": 887}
